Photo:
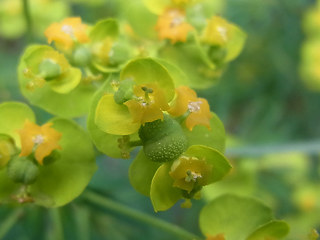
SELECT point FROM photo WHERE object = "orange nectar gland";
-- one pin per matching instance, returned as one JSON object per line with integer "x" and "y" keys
{"x": 148, "y": 104}
{"x": 198, "y": 108}
{"x": 172, "y": 25}
{"x": 67, "y": 32}
{"x": 41, "y": 140}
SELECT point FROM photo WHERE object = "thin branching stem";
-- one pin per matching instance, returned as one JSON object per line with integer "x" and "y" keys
{"x": 27, "y": 16}
{"x": 121, "y": 209}
{"x": 56, "y": 224}
{"x": 309, "y": 147}
{"x": 7, "y": 224}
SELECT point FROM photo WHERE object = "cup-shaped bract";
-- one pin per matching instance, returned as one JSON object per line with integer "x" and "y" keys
{"x": 64, "y": 173}
{"x": 48, "y": 81}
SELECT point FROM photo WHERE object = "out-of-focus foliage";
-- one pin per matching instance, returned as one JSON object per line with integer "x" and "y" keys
{"x": 44, "y": 12}
{"x": 310, "y": 52}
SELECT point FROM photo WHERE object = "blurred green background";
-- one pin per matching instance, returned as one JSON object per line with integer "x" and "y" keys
{"x": 272, "y": 121}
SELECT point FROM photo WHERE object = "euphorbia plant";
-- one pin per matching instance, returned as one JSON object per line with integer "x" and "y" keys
{"x": 136, "y": 98}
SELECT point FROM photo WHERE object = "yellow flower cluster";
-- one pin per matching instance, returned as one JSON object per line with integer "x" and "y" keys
{"x": 172, "y": 25}
{"x": 41, "y": 140}
{"x": 150, "y": 102}
{"x": 66, "y": 33}
{"x": 198, "y": 108}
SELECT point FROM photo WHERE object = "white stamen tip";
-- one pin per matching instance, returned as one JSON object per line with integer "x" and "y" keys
{"x": 194, "y": 106}
{"x": 111, "y": 53}
{"x": 67, "y": 29}
{"x": 177, "y": 21}
{"x": 223, "y": 32}
{"x": 192, "y": 176}
{"x": 38, "y": 139}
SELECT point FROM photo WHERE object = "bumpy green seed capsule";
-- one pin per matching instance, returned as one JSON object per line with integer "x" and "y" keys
{"x": 163, "y": 140}
{"x": 23, "y": 170}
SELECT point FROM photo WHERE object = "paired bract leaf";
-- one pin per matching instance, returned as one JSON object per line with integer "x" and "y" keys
{"x": 215, "y": 137}
{"x": 60, "y": 180}
{"x": 105, "y": 142}
{"x": 240, "y": 218}
{"x": 104, "y": 39}
{"x": 178, "y": 76}
{"x": 235, "y": 44}
{"x": 148, "y": 70}
{"x": 272, "y": 230}
{"x": 220, "y": 165}
{"x": 114, "y": 118}
{"x": 162, "y": 194}
{"x": 73, "y": 104}
{"x": 104, "y": 28}
{"x": 13, "y": 116}
{"x": 157, "y": 6}
{"x": 137, "y": 15}
{"x": 141, "y": 172}
{"x": 64, "y": 179}
{"x": 191, "y": 59}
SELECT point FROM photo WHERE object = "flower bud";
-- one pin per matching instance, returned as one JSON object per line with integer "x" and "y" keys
{"x": 118, "y": 54}
{"x": 125, "y": 91}
{"x": 163, "y": 140}
{"x": 23, "y": 170}
{"x": 81, "y": 57}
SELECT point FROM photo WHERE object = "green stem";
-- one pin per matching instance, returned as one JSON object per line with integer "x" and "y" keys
{"x": 57, "y": 229}
{"x": 82, "y": 220}
{"x": 135, "y": 143}
{"x": 27, "y": 16}
{"x": 204, "y": 56}
{"x": 9, "y": 222}
{"x": 139, "y": 216}
{"x": 310, "y": 147}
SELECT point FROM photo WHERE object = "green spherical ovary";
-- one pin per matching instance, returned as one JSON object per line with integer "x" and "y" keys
{"x": 22, "y": 170}
{"x": 163, "y": 141}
